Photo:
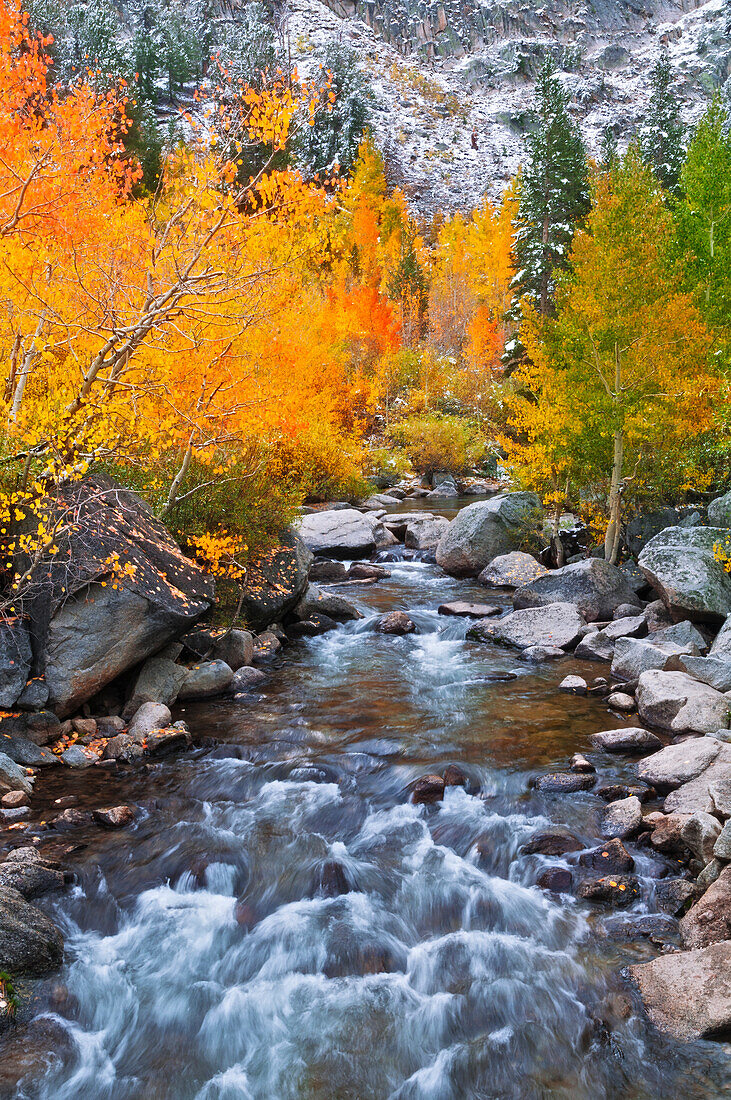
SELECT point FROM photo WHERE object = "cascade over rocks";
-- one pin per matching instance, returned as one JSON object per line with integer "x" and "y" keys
{"x": 483, "y": 530}
{"x": 596, "y": 587}
{"x": 680, "y": 564}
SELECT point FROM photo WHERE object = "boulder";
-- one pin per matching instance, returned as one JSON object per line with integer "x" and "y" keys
{"x": 620, "y": 700}
{"x": 382, "y": 537}
{"x": 611, "y": 858}
{"x": 76, "y": 757}
{"x": 445, "y": 489}
{"x": 343, "y": 534}
{"x": 276, "y": 581}
{"x": 719, "y": 511}
{"x": 30, "y": 944}
{"x": 361, "y": 572}
{"x": 595, "y": 646}
{"x": 395, "y": 622}
{"x": 633, "y": 656}
{"x": 680, "y": 564}
{"x": 675, "y": 701}
{"x": 114, "y": 817}
{"x": 149, "y": 717}
{"x": 682, "y": 634}
{"x": 676, "y": 764}
{"x": 511, "y": 571}
{"x": 615, "y": 890}
{"x": 205, "y": 680}
{"x": 573, "y": 685}
{"x": 643, "y": 527}
{"x": 721, "y": 647}
{"x": 565, "y": 782}
{"x": 327, "y": 572}
{"x": 622, "y": 818}
{"x": 235, "y": 647}
{"x": 163, "y": 742}
{"x": 317, "y": 602}
{"x": 123, "y": 747}
{"x": 13, "y": 777}
{"x": 657, "y": 616}
{"x": 27, "y": 872}
{"x": 539, "y": 654}
{"x": 687, "y": 994}
{"x": 399, "y": 522}
{"x": 25, "y": 752}
{"x": 672, "y": 895}
{"x": 427, "y": 534}
{"x": 633, "y": 741}
{"x": 709, "y": 792}
{"x": 594, "y": 586}
{"x": 158, "y": 682}
{"x": 722, "y": 847}
{"x": 557, "y": 626}
{"x": 98, "y": 626}
{"x": 579, "y": 763}
{"x": 15, "y": 660}
{"x": 666, "y": 833}
{"x": 709, "y": 670}
{"x": 709, "y": 920}
{"x": 461, "y": 608}
{"x": 42, "y": 727}
{"x": 430, "y": 788}
{"x": 483, "y": 530}
{"x": 558, "y": 880}
{"x": 550, "y": 844}
{"x": 610, "y": 792}
{"x": 700, "y": 833}
{"x": 247, "y": 678}
{"x": 311, "y": 628}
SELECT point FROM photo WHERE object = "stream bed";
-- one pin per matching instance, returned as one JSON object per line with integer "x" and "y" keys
{"x": 281, "y": 923}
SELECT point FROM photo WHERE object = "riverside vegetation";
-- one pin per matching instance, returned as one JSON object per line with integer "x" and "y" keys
{"x": 235, "y": 364}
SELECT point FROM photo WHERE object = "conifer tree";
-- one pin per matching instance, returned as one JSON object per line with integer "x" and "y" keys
{"x": 661, "y": 139}
{"x": 336, "y": 135}
{"x": 553, "y": 194}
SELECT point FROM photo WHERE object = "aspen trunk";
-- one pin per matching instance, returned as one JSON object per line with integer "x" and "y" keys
{"x": 612, "y": 538}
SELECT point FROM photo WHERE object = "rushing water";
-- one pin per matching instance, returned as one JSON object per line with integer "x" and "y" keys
{"x": 282, "y": 924}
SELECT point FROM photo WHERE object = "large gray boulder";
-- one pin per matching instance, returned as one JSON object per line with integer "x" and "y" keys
{"x": 159, "y": 681}
{"x": 13, "y": 777}
{"x": 675, "y": 701}
{"x": 680, "y": 564}
{"x": 557, "y": 626}
{"x": 719, "y": 511}
{"x": 511, "y": 570}
{"x": 709, "y": 921}
{"x": 426, "y": 535}
{"x": 15, "y": 661}
{"x": 150, "y": 716}
{"x": 206, "y": 680}
{"x": 339, "y": 534}
{"x": 276, "y": 581}
{"x": 687, "y": 994}
{"x": 485, "y": 529}
{"x": 317, "y": 602}
{"x": 596, "y": 587}
{"x": 89, "y": 624}
{"x": 709, "y": 792}
{"x": 709, "y": 670}
{"x": 633, "y": 656}
{"x": 630, "y": 741}
{"x": 30, "y": 943}
{"x": 676, "y": 764}
{"x": 599, "y": 645}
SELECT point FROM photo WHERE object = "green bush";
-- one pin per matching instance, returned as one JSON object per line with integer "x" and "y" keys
{"x": 441, "y": 443}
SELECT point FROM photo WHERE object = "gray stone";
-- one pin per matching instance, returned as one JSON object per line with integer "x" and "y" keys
{"x": 163, "y": 742}
{"x": 682, "y": 634}
{"x": 709, "y": 920}
{"x": 556, "y": 626}
{"x": 633, "y": 656}
{"x": 205, "y": 680}
{"x": 565, "y": 782}
{"x": 395, "y": 622}
{"x": 699, "y": 833}
{"x": 245, "y": 679}
{"x": 619, "y": 700}
{"x": 427, "y": 534}
{"x": 25, "y": 871}
{"x": 538, "y": 654}
{"x": 621, "y": 819}
{"x": 709, "y": 874}
{"x": 594, "y": 586}
{"x": 27, "y": 753}
{"x": 317, "y": 602}
{"x": 123, "y": 747}
{"x": 672, "y": 895}
{"x": 611, "y": 858}
{"x": 573, "y": 685}
{"x": 675, "y": 701}
{"x": 76, "y": 757}
{"x": 159, "y": 681}
{"x": 341, "y": 534}
{"x": 235, "y": 647}
{"x": 618, "y": 891}
{"x": 676, "y": 764}
{"x": 680, "y": 564}
{"x": 580, "y": 764}
{"x": 461, "y": 608}
{"x": 322, "y": 572}
{"x": 149, "y": 717}
{"x": 721, "y": 647}
{"x": 482, "y": 531}
{"x": 42, "y": 727}
{"x": 632, "y": 741}
{"x": 34, "y": 695}
{"x": 709, "y": 670}
{"x": 114, "y": 817}
{"x": 276, "y": 581}
{"x": 709, "y": 792}
{"x": 687, "y": 994}
{"x": 511, "y": 570}
{"x": 15, "y": 661}
{"x": 13, "y": 777}
{"x": 719, "y": 511}
{"x": 30, "y": 944}
{"x": 722, "y": 847}
{"x": 595, "y": 647}
{"x": 657, "y": 616}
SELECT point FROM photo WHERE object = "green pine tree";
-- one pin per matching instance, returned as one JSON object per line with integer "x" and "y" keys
{"x": 661, "y": 139}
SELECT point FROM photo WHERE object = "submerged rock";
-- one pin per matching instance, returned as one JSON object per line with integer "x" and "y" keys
{"x": 428, "y": 789}
{"x": 395, "y": 622}
{"x": 565, "y": 782}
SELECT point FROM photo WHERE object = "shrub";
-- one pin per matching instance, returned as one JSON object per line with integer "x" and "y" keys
{"x": 320, "y": 464}
{"x": 385, "y": 466}
{"x": 449, "y": 443}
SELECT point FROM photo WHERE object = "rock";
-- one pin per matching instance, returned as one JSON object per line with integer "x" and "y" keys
{"x": 709, "y": 792}
{"x": 311, "y": 628}
{"x": 332, "y": 880}
{"x": 328, "y": 571}
{"x": 709, "y": 670}
{"x": 540, "y": 653}
{"x": 76, "y": 757}
{"x": 85, "y": 727}
{"x": 631, "y": 741}
{"x": 687, "y": 994}
{"x": 375, "y": 502}
{"x": 25, "y": 871}
{"x": 633, "y": 656}
{"x": 722, "y": 847}
{"x": 699, "y": 833}
{"x": 247, "y": 678}
{"x": 206, "y": 680}
{"x": 629, "y": 610}
{"x": 27, "y": 753}
{"x": 719, "y": 511}
{"x": 454, "y": 776}
{"x": 556, "y": 879}
{"x": 30, "y": 944}
{"x": 34, "y": 695}
{"x": 13, "y": 777}
{"x": 430, "y": 788}
{"x": 341, "y": 534}
{"x": 398, "y": 522}
{"x": 580, "y": 764}
{"x": 123, "y": 747}
{"x": 511, "y": 571}
{"x": 676, "y": 764}
{"x": 610, "y": 858}
{"x": 445, "y": 489}
{"x": 42, "y": 727}
{"x": 114, "y": 817}
{"x": 614, "y": 890}
{"x": 594, "y": 586}
{"x": 573, "y": 685}
{"x": 595, "y": 647}
{"x": 551, "y": 844}
{"x": 721, "y": 647}
{"x": 276, "y": 581}
{"x": 395, "y": 622}
{"x": 657, "y": 616}
{"x": 109, "y": 725}
{"x": 709, "y": 920}
{"x": 427, "y": 534}
{"x": 235, "y": 647}
{"x": 709, "y": 874}
{"x": 610, "y": 792}
{"x": 316, "y": 602}
{"x": 564, "y": 782}
{"x": 159, "y": 681}
{"x": 150, "y": 716}
{"x": 682, "y": 634}
{"x": 360, "y": 572}
{"x": 163, "y": 742}
{"x": 99, "y": 630}
{"x": 619, "y": 700}
{"x": 13, "y": 799}
{"x": 15, "y": 660}
{"x": 680, "y": 563}
{"x": 469, "y": 610}
{"x": 675, "y": 701}
{"x": 484, "y": 530}
{"x": 673, "y": 895}
{"x": 557, "y": 626}
{"x": 266, "y": 645}
{"x": 621, "y": 819}
{"x": 666, "y": 833}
